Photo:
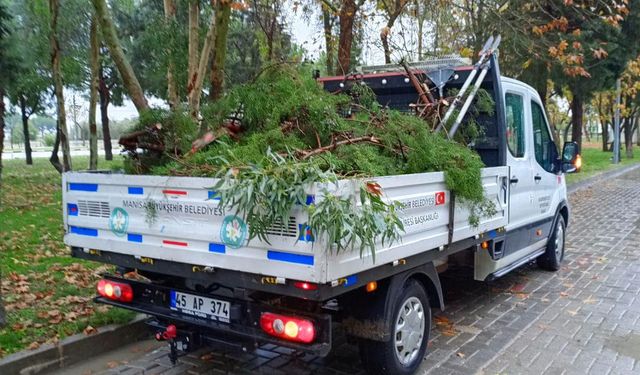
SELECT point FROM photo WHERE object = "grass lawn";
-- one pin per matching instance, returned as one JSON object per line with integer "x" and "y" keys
{"x": 46, "y": 292}
{"x": 595, "y": 161}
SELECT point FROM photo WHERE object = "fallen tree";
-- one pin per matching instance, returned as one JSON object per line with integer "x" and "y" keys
{"x": 268, "y": 140}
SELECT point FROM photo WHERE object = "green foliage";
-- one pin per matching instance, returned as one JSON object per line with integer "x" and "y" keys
{"x": 286, "y": 118}
{"x": 49, "y": 140}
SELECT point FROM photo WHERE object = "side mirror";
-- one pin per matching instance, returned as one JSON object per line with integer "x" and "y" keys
{"x": 571, "y": 160}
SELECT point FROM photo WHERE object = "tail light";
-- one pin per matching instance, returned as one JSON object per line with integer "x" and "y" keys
{"x": 288, "y": 327}
{"x": 116, "y": 291}
{"x": 305, "y": 285}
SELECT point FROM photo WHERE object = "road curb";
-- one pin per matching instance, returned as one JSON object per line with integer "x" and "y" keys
{"x": 601, "y": 176}
{"x": 74, "y": 349}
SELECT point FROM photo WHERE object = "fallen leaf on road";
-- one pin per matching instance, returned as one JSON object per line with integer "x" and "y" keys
{"x": 564, "y": 294}
{"x": 460, "y": 354}
{"x": 572, "y": 313}
{"x": 590, "y": 300}
{"x": 113, "y": 364}
{"x": 33, "y": 346}
{"x": 89, "y": 330}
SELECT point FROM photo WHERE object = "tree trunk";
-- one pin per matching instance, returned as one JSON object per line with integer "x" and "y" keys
{"x": 61, "y": 131}
{"x": 398, "y": 7}
{"x": 605, "y": 135}
{"x": 25, "y": 129}
{"x": 577, "y": 111}
{"x": 327, "y": 19}
{"x": 637, "y": 132}
{"x": 347, "y": 17}
{"x": 2, "y": 113}
{"x": 172, "y": 91}
{"x": 94, "y": 59}
{"x": 194, "y": 43}
{"x": 105, "y": 99}
{"x": 420, "y": 21}
{"x": 117, "y": 55}
{"x": 194, "y": 97}
{"x": 628, "y": 136}
{"x": 223, "y": 15}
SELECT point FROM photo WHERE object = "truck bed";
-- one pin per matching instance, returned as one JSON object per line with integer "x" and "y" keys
{"x": 178, "y": 219}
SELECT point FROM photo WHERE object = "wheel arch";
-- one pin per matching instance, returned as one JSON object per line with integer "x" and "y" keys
{"x": 367, "y": 313}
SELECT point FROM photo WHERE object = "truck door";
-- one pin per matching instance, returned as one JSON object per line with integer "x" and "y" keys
{"x": 545, "y": 179}
{"x": 521, "y": 195}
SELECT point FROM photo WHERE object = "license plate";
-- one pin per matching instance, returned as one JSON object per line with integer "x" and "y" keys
{"x": 202, "y": 307}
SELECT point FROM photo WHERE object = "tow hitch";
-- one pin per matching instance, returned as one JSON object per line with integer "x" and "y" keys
{"x": 179, "y": 343}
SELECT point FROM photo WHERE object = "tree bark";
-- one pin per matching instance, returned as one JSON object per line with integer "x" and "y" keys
{"x": 398, "y": 6}
{"x": 105, "y": 99}
{"x": 172, "y": 91}
{"x": 61, "y": 131}
{"x": 25, "y": 129}
{"x": 2, "y": 113}
{"x": 110, "y": 36}
{"x": 194, "y": 42}
{"x": 327, "y": 19}
{"x": 577, "y": 112}
{"x": 94, "y": 59}
{"x": 194, "y": 96}
{"x": 628, "y": 136}
{"x": 347, "y": 17}
{"x": 223, "y": 16}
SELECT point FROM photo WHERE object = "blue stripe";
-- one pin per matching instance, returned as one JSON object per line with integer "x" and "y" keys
{"x": 213, "y": 195}
{"x": 72, "y": 209}
{"x": 83, "y": 187}
{"x": 289, "y": 257}
{"x": 217, "y": 248}
{"x": 84, "y": 231}
{"x": 172, "y": 297}
{"x": 136, "y": 190}
{"x": 351, "y": 280}
{"x": 132, "y": 237}
{"x": 311, "y": 199}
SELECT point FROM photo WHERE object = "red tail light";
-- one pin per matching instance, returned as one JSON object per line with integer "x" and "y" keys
{"x": 305, "y": 286}
{"x": 288, "y": 327}
{"x": 116, "y": 291}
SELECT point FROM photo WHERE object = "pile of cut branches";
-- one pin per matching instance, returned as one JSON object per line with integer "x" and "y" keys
{"x": 270, "y": 139}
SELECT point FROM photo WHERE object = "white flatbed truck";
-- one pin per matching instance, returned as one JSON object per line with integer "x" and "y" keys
{"x": 205, "y": 282}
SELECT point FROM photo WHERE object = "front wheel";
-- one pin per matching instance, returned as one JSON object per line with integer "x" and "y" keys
{"x": 554, "y": 254}
{"x": 410, "y": 325}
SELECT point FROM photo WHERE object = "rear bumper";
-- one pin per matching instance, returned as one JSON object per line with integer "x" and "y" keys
{"x": 243, "y": 330}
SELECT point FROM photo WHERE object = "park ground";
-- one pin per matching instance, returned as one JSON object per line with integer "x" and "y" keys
{"x": 47, "y": 293}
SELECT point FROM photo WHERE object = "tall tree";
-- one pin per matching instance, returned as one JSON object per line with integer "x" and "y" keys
{"x": 223, "y": 17}
{"x": 194, "y": 43}
{"x": 196, "y": 91}
{"x": 94, "y": 59}
{"x": 62, "y": 138}
{"x": 392, "y": 10}
{"x": 172, "y": 91}
{"x": 110, "y": 36}
{"x": 347, "y": 16}
{"x": 328, "y": 23}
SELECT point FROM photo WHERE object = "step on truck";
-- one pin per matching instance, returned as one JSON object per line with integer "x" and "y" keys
{"x": 204, "y": 283}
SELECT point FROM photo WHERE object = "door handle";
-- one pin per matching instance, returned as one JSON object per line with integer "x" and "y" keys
{"x": 537, "y": 178}
{"x": 514, "y": 180}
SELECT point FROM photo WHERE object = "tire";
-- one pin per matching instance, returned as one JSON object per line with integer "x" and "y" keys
{"x": 554, "y": 254}
{"x": 388, "y": 358}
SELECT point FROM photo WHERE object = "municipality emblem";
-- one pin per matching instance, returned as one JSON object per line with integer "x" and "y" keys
{"x": 233, "y": 231}
{"x": 119, "y": 221}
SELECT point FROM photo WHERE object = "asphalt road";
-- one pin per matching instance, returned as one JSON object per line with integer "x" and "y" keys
{"x": 584, "y": 319}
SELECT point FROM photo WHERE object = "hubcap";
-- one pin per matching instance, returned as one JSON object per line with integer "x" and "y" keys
{"x": 409, "y": 330}
{"x": 559, "y": 243}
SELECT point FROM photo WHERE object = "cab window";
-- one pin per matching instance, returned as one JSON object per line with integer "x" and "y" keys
{"x": 541, "y": 138}
{"x": 515, "y": 124}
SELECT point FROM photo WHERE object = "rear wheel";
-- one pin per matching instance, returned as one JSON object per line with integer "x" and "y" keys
{"x": 409, "y": 326}
{"x": 554, "y": 254}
